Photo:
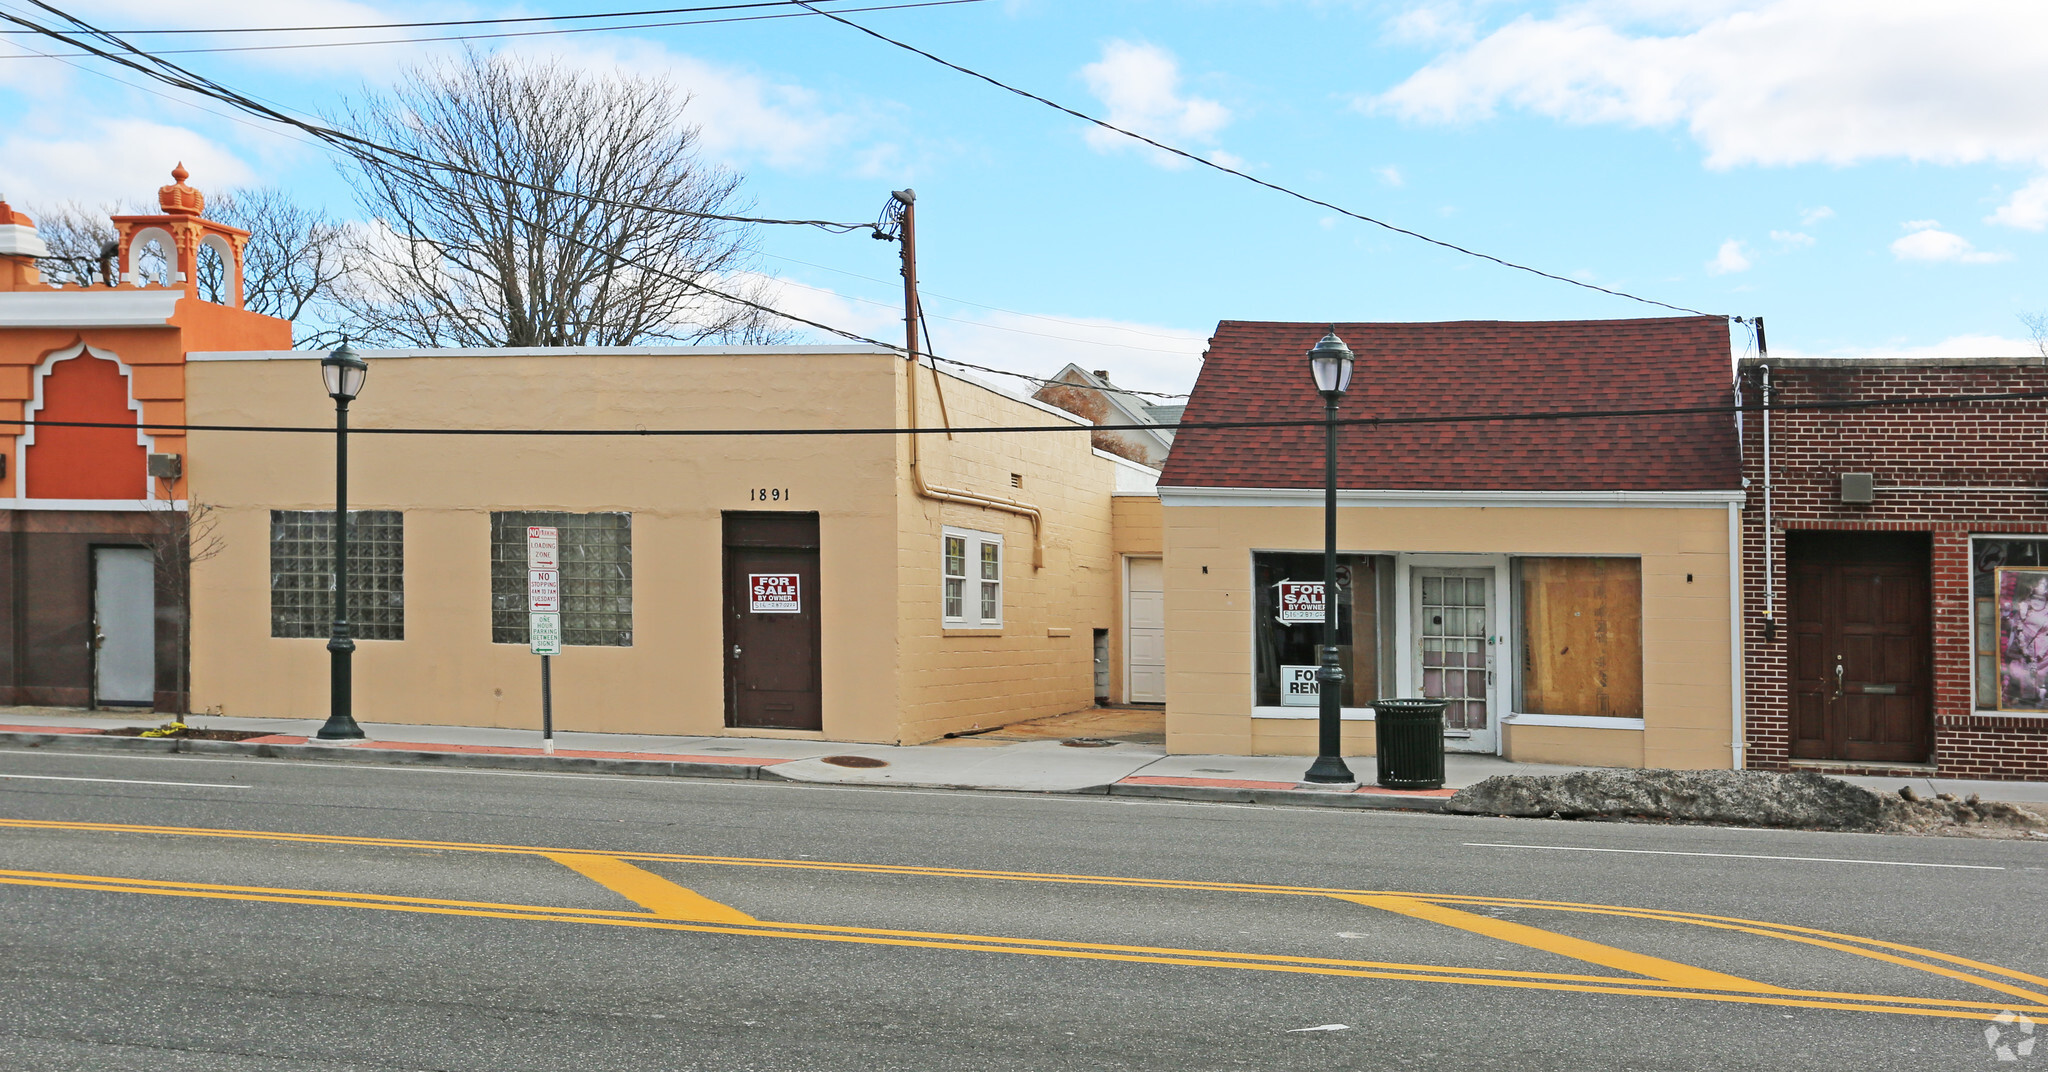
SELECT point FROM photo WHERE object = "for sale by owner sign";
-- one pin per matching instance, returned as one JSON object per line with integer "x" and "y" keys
{"x": 1300, "y": 602}
{"x": 774, "y": 593}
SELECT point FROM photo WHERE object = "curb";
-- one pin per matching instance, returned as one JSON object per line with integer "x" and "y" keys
{"x": 350, "y": 754}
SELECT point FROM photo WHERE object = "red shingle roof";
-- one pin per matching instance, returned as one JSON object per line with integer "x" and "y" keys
{"x": 1259, "y": 371}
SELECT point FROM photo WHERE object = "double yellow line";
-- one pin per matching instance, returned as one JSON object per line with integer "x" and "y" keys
{"x": 670, "y": 907}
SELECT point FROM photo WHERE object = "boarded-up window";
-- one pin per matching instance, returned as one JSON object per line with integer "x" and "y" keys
{"x": 1582, "y": 636}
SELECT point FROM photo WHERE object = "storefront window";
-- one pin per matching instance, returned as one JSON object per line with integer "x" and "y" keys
{"x": 1582, "y": 636}
{"x": 2007, "y": 624}
{"x": 1288, "y": 628}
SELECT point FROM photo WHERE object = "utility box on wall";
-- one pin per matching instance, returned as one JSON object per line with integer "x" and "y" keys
{"x": 1859, "y": 487}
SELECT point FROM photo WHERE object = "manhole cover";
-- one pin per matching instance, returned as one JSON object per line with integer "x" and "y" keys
{"x": 855, "y": 761}
{"x": 1087, "y": 742}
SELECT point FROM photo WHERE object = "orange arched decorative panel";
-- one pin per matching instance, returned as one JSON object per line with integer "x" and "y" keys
{"x": 86, "y": 463}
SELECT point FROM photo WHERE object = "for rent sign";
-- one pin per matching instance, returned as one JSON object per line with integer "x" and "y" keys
{"x": 1300, "y": 602}
{"x": 1298, "y": 686}
{"x": 774, "y": 593}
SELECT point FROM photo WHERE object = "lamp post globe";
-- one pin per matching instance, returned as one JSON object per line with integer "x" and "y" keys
{"x": 342, "y": 373}
{"x": 1330, "y": 364}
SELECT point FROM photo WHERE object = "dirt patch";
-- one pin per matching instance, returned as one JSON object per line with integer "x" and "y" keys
{"x": 1803, "y": 801}
{"x": 188, "y": 733}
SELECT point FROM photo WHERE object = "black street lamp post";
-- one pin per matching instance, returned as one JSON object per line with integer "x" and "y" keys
{"x": 343, "y": 373}
{"x": 1330, "y": 362}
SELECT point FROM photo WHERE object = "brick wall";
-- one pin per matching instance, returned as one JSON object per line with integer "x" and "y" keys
{"x": 1983, "y": 456}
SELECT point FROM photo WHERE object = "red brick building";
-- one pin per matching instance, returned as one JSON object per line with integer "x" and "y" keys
{"x": 1905, "y": 623}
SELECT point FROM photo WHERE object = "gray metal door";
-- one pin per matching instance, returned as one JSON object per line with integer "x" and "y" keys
{"x": 124, "y": 620}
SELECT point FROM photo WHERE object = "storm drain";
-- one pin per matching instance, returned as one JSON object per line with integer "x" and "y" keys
{"x": 855, "y": 761}
{"x": 1087, "y": 742}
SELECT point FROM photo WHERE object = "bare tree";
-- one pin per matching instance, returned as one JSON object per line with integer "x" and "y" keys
{"x": 2037, "y": 326}
{"x": 460, "y": 260}
{"x": 179, "y": 539}
{"x": 294, "y": 261}
{"x": 78, "y": 238}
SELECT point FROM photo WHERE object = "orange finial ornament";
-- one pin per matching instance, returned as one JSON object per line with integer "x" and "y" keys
{"x": 179, "y": 199}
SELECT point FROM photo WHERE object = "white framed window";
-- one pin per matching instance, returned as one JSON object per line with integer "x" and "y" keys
{"x": 971, "y": 569}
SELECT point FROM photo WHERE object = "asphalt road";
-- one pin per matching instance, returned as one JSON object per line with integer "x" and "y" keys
{"x": 271, "y": 915}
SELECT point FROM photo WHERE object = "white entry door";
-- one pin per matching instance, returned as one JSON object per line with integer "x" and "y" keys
{"x": 1145, "y": 632}
{"x": 124, "y": 625}
{"x": 1454, "y": 651}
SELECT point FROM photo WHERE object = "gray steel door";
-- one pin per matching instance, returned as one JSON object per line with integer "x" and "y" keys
{"x": 124, "y": 619}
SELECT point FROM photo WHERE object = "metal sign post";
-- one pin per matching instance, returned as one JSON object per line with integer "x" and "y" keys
{"x": 544, "y": 618}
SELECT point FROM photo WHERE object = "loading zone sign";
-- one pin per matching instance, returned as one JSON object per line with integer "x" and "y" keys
{"x": 1300, "y": 602}
{"x": 774, "y": 593}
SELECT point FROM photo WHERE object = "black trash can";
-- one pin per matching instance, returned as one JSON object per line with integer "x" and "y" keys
{"x": 1411, "y": 743}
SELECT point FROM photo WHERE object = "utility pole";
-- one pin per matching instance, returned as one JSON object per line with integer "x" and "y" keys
{"x": 906, "y": 217}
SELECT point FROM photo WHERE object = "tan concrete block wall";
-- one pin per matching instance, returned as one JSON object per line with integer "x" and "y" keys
{"x": 1575, "y": 745}
{"x": 1688, "y": 687}
{"x": 447, "y": 671}
{"x": 954, "y": 679}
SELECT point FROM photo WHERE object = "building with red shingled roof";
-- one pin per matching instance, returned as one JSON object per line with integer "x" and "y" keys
{"x": 1566, "y": 583}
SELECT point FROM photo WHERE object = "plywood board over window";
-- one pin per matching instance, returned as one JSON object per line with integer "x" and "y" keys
{"x": 1582, "y": 636}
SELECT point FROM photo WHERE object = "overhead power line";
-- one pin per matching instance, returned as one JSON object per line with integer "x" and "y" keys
{"x": 180, "y": 77}
{"x": 1511, "y": 417}
{"x": 531, "y": 33}
{"x": 501, "y": 21}
{"x": 1246, "y": 176}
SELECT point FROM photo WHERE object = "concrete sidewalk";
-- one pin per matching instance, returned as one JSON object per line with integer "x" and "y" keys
{"x": 1116, "y": 753}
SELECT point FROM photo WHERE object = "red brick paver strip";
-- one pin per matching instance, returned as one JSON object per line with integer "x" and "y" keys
{"x": 47, "y": 729}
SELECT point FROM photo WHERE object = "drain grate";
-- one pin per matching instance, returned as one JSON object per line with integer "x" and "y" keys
{"x": 1214, "y": 770}
{"x": 1087, "y": 742}
{"x": 855, "y": 761}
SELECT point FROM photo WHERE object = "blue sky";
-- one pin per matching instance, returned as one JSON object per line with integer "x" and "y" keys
{"x": 1869, "y": 176}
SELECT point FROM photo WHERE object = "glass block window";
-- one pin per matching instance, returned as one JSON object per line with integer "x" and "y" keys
{"x": 596, "y": 557}
{"x": 302, "y": 573}
{"x": 971, "y": 569}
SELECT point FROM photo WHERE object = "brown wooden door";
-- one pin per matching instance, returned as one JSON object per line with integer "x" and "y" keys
{"x": 1861, "y": 682}
{"x": 771, "y": 622}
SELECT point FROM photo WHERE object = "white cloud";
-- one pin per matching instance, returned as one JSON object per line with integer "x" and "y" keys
{"x": 1770, "y": 82}
{"x": 1792, "y": 239}
{"x": 1811, "y": 216}
{"x": 745, "y": 118}
{"x": 1928, "y": 242}
{"x": 113, "y": 161}
{"x": 1954, "y": 346}
{"x": 1731, "y": 258}
{"x": 1145, "y": 357}
{"x": 2027, "y": 209}
{"x": 1392, "y": 176}
{"x": 1139, "y": 84}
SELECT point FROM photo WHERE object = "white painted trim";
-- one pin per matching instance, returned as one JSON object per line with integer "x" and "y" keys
{"x": 89, "y": 308}
{"x": 848, "y": 350}
{"x": 132, "y": 253}
{"x": 1351, "y": 714}
{"x": 1125, "y": 616}
{"x": 970, "y": 595}
{"x": 1299, "y": 497}
{"x": 1583, "y": 722}
{"x": 17, "y": 240}
{"x": 99, "y": 505}
{"x": 27, "y": 438}
{"x": 1736, "y": 681}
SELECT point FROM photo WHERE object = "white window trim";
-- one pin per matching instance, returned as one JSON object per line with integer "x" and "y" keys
{"x": 970, "y": 598}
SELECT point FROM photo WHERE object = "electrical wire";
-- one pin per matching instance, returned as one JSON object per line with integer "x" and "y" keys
{"x": 506, "y": 20}
{"x": 1228, "y": 170}
{"x": 536, "y": 33}
{"x": 180, "y": 77}
{"x": 1885, "y": 402}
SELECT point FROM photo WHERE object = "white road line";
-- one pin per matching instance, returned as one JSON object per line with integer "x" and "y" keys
{"x": 120, "y": 781}
{"x": 1731, "y": 856}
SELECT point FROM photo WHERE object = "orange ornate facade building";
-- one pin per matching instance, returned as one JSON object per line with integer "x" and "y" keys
{"x": 93, "y": 472}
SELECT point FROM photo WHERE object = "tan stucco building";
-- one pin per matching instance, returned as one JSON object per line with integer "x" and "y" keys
{"x": 966, "y": 580}
{"x": 1568, "y": 586}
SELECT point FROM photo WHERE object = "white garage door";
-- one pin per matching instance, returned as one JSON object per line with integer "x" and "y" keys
{"x": 1145, "y": 636}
